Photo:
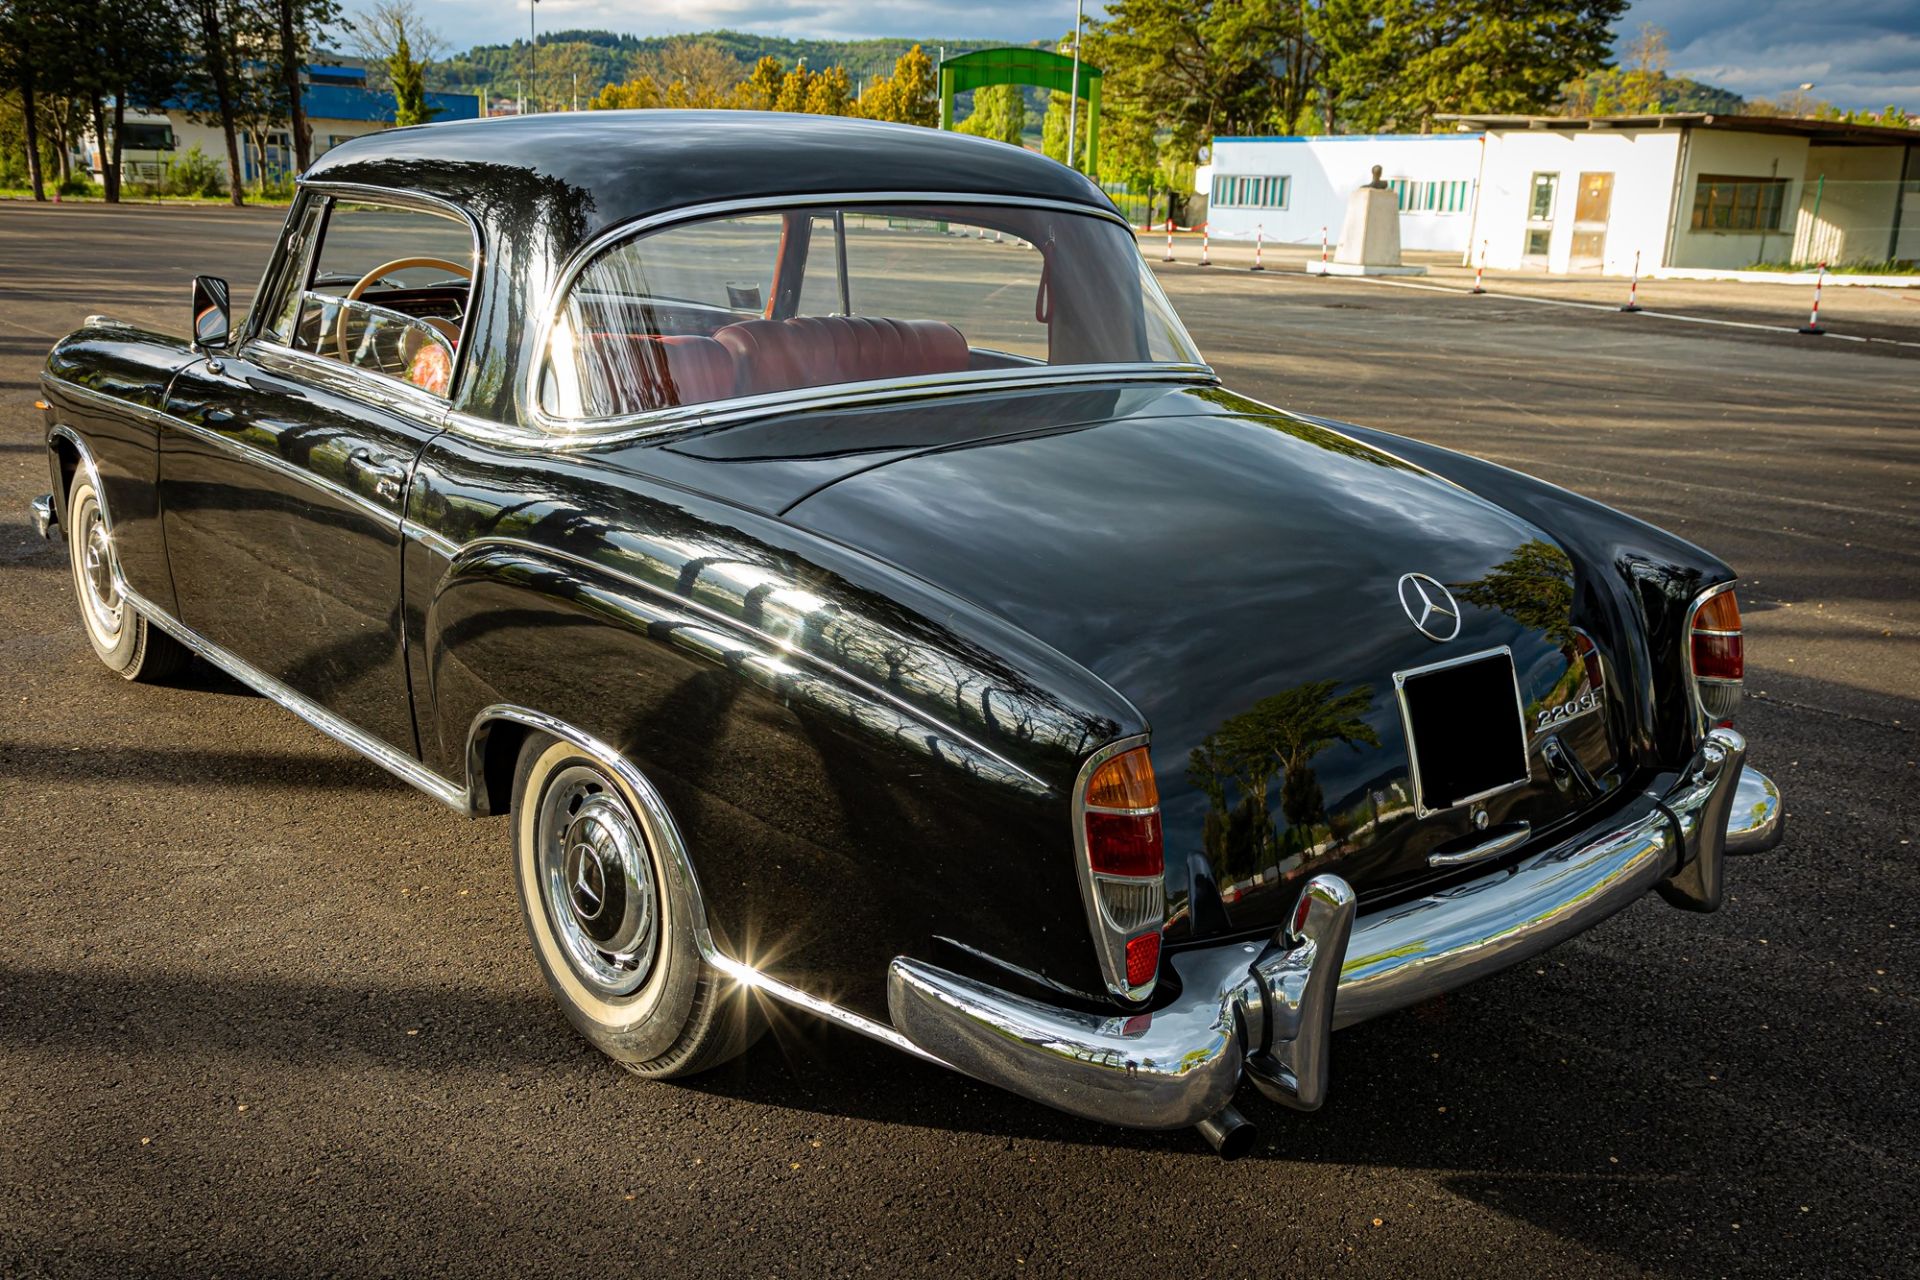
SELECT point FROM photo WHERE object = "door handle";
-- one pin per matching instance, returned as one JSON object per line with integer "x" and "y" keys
{"x": 1482, "y": 844}
{"x": 389, "y": 478}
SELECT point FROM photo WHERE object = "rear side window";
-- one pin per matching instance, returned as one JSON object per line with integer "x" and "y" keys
{"x": 763, "y": 304}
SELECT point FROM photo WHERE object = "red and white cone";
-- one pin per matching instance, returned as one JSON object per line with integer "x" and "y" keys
{"x": 1206, "y": 259}
{"x": 1479, "y": 272}
{"x": 1169, "y": 257}
{"x": 1259, "y": 239}
{"x": 1323, "y": 251}
{"x": 1633, "y": 286}
{"x": 1813, "y": 321}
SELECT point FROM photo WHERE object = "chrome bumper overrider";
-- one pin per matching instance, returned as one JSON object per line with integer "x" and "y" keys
{"x": 44, "y": 519}
{"x": 1266, "y": 1013}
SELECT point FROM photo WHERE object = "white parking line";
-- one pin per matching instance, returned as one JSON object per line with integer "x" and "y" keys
{"x": 1597, "y": 306}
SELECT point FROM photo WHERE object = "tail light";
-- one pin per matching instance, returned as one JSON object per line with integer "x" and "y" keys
{"x": 1122, "y": 866}
{"x": 1716, "y": 657}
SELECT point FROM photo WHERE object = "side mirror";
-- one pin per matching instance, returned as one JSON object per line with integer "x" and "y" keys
{"x": 211, "y": 323}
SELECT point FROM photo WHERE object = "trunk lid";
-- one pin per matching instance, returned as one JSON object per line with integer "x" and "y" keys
{"x": 1236, "y": 575}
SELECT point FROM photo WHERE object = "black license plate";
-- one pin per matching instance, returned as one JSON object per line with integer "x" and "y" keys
{"x": 1464, "y": 729}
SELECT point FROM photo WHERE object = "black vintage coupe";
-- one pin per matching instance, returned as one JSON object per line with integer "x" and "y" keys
{"x": 825, "y": 545}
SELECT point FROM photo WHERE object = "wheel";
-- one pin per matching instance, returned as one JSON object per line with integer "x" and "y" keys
{"x": 120, "y": 635}
{"x": 613, "y": 932}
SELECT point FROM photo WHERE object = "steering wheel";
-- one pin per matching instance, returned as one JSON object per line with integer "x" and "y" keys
{"x": 368, "y": 280}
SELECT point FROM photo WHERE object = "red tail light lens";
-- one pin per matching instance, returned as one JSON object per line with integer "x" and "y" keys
{"x": 1123, "y": 869}
{"x": 1124, "y": 844}
{"x": 1716, "y": 657}
{"x": 1143, "y": 959}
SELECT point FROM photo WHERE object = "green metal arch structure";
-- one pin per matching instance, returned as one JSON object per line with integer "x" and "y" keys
{"x": 1041, "y": 68}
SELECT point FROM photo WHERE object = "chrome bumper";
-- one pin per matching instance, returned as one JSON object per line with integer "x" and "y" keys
{"x": 44, "y": 518}
{"x": 1266, "y": 1013}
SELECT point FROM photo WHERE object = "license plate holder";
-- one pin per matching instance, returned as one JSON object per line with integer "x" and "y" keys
{"x": 1466, "y": 729}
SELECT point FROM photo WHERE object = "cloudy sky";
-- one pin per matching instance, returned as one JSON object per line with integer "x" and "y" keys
{"x": 1860, "y": 53}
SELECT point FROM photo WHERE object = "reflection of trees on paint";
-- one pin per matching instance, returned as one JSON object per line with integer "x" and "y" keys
{"x": 1533, "y": 586}
{"x": 1276, "y": 738}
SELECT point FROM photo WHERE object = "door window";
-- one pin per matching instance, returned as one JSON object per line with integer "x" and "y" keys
{"x": 1591, "y": 209}
{"x": 389, "y": 292}
{"x": 1541, "y": 196}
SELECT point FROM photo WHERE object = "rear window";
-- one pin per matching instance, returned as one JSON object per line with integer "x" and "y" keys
{"x": 758, "y": 304}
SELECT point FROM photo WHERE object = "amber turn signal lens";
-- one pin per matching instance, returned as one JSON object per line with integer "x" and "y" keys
{"x": 1719, "y": 613}
{"x": 1124, "y": 782}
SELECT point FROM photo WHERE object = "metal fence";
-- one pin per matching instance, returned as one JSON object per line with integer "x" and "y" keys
{"x": 1851, "y": 224}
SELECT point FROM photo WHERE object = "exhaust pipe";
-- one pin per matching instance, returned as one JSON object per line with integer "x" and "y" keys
{"x": 1229, "y": 1133}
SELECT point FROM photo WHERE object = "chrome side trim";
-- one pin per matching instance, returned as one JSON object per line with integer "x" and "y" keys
{"x": 1179, "y": 1065}
{"x": 461, "y": 796}
{"x": 106, "y": 400}
{"x": 673, "y": 852}
{"x": 45, "y": 519}
{"x": 696, "y": 609}
{"x": 1759, "y": 818}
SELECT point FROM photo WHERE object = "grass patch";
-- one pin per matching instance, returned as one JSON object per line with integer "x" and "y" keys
{"x": 1888, "y": 267}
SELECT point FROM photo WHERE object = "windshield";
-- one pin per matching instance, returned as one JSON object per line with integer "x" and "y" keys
{"x": 762, "y": 303}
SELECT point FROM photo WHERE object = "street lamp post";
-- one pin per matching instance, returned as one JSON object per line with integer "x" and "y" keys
{"x": 1073, "y": 95}
{"x": 533, "y": 56}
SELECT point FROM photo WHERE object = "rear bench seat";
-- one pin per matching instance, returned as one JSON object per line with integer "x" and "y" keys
{"x": 638, "y": 372}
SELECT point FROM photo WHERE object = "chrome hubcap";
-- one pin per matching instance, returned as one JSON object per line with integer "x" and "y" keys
{"x": 103, "y": 602}
{"x": 596, "y": 882}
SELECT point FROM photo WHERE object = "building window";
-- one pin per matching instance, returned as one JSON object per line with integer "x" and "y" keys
{"x": 1453, "y": 196}
{"x": 1540, "y": 203}
{"x": 1230, "y": 192}
{"x": 1731, "y": 203}
{"x": 146, "y": 137}
{"x": 1538, "y": 240}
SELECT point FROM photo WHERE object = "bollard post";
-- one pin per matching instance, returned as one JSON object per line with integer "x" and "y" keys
{"x": 1480, "y": 271}
{"x": 1259, "y": 239}
{"x": 1633, "y": 286}
{"x": 1169, "y": 257}
{"x": 1323, "y": 252}
{"x": 1812, "y": 325}
{"x": 1205, "y": 259}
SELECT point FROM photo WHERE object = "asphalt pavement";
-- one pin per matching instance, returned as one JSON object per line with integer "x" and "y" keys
{"x": 264, "y": 1009}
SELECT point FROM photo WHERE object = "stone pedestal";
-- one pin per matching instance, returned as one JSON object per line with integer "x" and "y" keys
{"x": 1370, "y": 237}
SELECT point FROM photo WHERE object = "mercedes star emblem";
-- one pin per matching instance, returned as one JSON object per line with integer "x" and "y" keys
{"x": 1430, "y": 605}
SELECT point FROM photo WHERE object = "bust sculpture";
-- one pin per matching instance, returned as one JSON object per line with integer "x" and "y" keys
{"x": 1378, "y": 183}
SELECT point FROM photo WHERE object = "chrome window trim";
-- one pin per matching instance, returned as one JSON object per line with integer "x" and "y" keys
{"x": 461, "y": 798}
{"x": 419, "y": 201}
{"x": 1696, "y": 704}
{"x": 654, "y": 421}
{"x": 684, "y": 418}
{"x": 1400, "y": 679}
{"x": 1113, "y": 962}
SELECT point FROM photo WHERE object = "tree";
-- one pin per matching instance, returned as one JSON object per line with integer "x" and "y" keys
{"x": 22, "y": 29}
{"x": 906, "y": 96}
{"x": 1199, "y": 68}
{"x": 212, "y": 93}
{"x": 134, "y": 50}
{"x": 1396, "y": 64}
{"x": 830, "y": 93}
{"x": 999, "y": 111}
{"x": 296, "y": 21}
{"x": 393, "y": 38}
{"x": 761, "y": 89}
{"x": 707, "y": 74}
{"x": 641, "y": 91}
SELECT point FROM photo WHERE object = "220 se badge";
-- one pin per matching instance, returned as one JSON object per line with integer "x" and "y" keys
{"x": 824, "y": 547}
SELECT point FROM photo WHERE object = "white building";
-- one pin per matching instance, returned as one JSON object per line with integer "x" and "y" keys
{"x": 1691, "y": 192}
{"x": 1291, "y": 189}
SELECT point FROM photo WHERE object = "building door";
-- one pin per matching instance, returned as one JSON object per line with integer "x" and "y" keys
{"x": 1590, "y": 209}
{"x": 1541, "y": 196}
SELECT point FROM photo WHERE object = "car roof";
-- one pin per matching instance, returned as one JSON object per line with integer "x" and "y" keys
{"x": 595, "y": 169}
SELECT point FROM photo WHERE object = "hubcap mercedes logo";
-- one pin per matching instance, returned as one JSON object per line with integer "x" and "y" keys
{"x": 589, "y": 882}
{"x": 1430, "y": 606}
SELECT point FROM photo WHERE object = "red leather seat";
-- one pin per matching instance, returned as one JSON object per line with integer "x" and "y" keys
{"x": 815, "y": 351}
{"x": 636, "y": 372}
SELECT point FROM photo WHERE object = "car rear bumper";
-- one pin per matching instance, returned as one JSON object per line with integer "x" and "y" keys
{"x": 1265, "y": 1013}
